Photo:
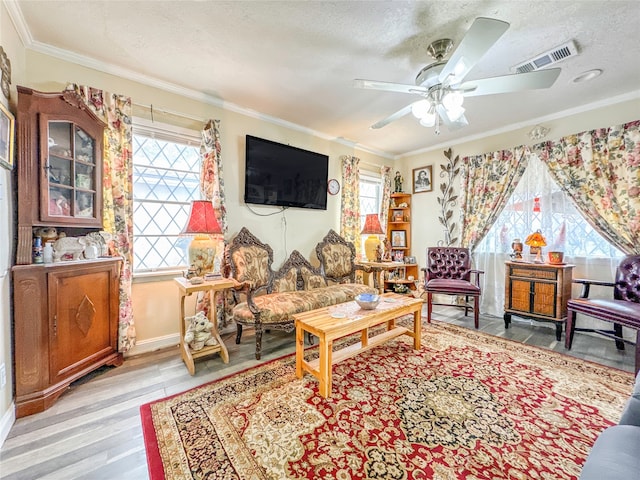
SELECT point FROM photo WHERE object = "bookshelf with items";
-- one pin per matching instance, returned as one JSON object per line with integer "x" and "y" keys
{"x": 404, "y": 278}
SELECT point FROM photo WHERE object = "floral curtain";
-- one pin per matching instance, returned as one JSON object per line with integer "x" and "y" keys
{"x": 350, "y": 217}
{"x": 212, "y": 189}
{"x": 488, "y": 180}
{"x": 115, "y": 111}
{"x": 385, "y": 201}
{"x": 600, "y": 171}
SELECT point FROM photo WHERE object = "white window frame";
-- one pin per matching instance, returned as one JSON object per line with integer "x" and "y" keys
{"x": 169, "y": 133}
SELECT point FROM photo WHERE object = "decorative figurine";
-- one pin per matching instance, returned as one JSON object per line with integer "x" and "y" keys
{"x": 386, "y": 256}
{"x": 398, "y": 182}
{"x": 516, "y": 246}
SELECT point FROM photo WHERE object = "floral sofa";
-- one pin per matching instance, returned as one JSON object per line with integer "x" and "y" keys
{"x": 268, "y": 299}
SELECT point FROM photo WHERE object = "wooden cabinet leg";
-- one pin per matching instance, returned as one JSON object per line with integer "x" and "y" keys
{"x": 507, "y": 320}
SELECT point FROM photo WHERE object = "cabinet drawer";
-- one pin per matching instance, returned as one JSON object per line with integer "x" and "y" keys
{"x": 534, "y": 273}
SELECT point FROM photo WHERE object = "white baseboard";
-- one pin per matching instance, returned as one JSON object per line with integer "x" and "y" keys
{"x": 153, "y": 344}
{"x": 8, "y": 419}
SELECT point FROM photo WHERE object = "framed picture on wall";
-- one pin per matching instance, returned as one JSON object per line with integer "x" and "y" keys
{"x": 6, "y": 137}
{"x": 422, "y": 179}
{"x": 398, "y": 238}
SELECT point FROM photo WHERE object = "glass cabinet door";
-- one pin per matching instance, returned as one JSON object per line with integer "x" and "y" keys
{"x": 71, "y": 174}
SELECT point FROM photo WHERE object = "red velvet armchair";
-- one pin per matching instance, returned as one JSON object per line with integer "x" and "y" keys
{"x": 449, "y": 272}
{"x": 622, "y": 310}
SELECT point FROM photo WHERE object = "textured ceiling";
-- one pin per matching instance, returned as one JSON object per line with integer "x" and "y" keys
{"x": 296, "y": 61}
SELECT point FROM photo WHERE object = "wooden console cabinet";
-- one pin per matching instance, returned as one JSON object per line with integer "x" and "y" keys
{"x": 65, "y": 321}
{"x": 64, "y": 327}
{"x": 538, "y": 291}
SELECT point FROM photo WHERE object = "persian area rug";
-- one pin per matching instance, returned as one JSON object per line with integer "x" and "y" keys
{"x": 466, "y": 406}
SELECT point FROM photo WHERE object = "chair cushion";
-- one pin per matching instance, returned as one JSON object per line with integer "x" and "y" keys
{"x": 312, "y": 280}
{"x": 619, "y": 311}
{"x": 451, "y": 286}
{"x": 614, "y": 455}
{"x": 337, "y": 260}
{"x": 286, "y": 282}
{"x": 252, "y": 265}
{"x": 279, "y": 307}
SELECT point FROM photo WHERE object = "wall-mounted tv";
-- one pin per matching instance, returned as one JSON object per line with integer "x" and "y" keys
{"x": 285, "y": 176}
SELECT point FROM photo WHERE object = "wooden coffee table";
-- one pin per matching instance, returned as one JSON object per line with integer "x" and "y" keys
{"x": 337, "y": 321}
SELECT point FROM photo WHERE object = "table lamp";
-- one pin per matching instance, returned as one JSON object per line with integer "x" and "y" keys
{"x": 202, "y": 224}
{"x": 536, "y": 241}
{"x": 373, "y": 229}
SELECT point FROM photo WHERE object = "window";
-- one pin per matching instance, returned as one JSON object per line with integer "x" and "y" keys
{"x": 166, "y": 178}
{"x": 370, "y": 192}
{"x": 370, "y": 197}
{"x": 538, "y": 203}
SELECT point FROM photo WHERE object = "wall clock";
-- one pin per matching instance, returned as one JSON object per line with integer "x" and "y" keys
{"x": 333, "y": 186}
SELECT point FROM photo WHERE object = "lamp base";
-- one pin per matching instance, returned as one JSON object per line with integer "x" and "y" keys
{"x": 202, "y": 253}
{"x": 370, "y": 247}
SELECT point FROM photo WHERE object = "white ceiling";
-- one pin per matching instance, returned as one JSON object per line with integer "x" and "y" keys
{"x": 295, "y": 61}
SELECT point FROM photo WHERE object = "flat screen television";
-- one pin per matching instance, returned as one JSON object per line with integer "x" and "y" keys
{"x": 285, "y": 176}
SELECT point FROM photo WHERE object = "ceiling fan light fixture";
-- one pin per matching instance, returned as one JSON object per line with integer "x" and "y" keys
{"x": 428, "y": 120}
{"x": 452, "y": 100}
{"x": 420, "y": 109}
{"x": 455, "y": 113}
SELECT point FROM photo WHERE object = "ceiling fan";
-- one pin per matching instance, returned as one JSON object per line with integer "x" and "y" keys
{"x": 441, "y": 83}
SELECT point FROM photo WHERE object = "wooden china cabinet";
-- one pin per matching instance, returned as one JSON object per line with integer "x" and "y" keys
{"x": 65, "y": 313}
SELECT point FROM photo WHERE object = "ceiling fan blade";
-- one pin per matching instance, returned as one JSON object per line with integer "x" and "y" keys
{"x": 391, "y": 118}
{"x": 510, "y": 83}
{"x": 480, "y": 37}
{"x": 456, "y": 124}
{"x": 388, "y": 86}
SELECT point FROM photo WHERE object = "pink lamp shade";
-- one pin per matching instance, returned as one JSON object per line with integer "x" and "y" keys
{"x": 371, "y": 225}
{"x": 202, "y": 218}
{"x": 202, "y": 223}
{"x": 373, "y": 229}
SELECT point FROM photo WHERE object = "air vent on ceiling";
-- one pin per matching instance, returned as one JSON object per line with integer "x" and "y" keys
{"x": 554, "y": 55}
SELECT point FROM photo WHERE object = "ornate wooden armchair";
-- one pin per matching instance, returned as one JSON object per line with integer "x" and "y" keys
{"x": 622, "y": 310}
{"x": 449, "y": 272}
{"x": 337, "y": 259}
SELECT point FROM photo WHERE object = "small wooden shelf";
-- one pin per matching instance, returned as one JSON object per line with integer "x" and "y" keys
{"x": 404, "y": 225}
{"x": 185, "y": 289}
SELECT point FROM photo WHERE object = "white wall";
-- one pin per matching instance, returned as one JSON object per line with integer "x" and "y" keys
{"x": 12, "y": 46}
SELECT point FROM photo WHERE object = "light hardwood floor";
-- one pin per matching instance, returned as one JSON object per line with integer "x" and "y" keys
{"x": 94, "y": 431}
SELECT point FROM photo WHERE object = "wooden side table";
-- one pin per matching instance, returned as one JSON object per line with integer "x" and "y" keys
{"x": 380, "y": 267}
{"x": 185, "y": 289}
{"x": 538, "y": 291}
